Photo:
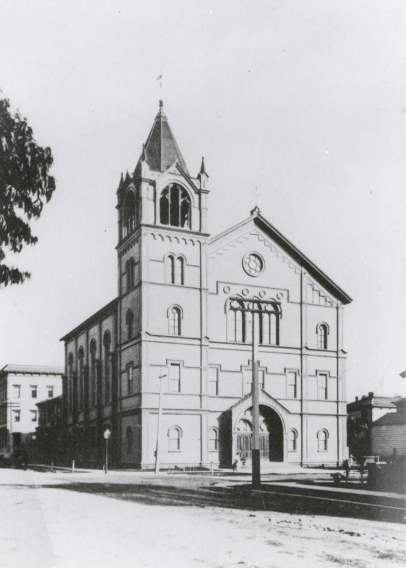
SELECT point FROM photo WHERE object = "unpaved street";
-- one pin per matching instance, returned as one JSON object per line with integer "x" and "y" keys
{"x": 62, "y": 520}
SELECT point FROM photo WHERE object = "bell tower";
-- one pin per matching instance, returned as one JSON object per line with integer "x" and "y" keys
{"x": 162, "y": 284}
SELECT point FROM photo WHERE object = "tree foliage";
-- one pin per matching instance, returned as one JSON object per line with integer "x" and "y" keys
{"x": 25, "y": 185}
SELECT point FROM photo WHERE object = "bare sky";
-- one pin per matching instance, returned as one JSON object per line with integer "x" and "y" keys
{"x": 303, "y": 100}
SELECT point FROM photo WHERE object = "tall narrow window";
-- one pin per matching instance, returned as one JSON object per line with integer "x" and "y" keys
{"x": 170, "y": 269}
{"x": 130, "y": 214}
{"x": 179, "y": 270}
{"x": 247, "y": 378}
{"x": 291, "y": 384}
{"x": 130, "y": 377}
{"x": 322, "y": 381}
{"x": 106, "y": 366}
{"x": 322, "y": 332}
{"x": 34, "y": 392}
{"x": 174, "y": 435}
{"x": 16, "y": 391}
{"x": 213, "y": 440}
{"x": 322, "y": 440}
{"x": 174, "y": 377}
{"x": 93, "y": 373}
{"x": 174, "y": 206}
{"x": 292, "y": 440}
{"x": 269, "y": 324}
{"x": 174, "y": 320}
{"x": 50, "y": 392}
{"x": 81, "y": 394}
{"x": 213, "y": 380}
{"x": 70, "y": 381}
{"x": 130, "y": 324}
{"x": 129, "y": 271}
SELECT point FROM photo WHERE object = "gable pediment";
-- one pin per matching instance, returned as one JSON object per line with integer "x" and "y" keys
{"x": 321, "y": 289}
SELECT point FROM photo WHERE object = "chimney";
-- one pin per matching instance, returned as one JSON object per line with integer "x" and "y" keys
{"x": 370, "y": 394}
{"x": 356, "y": 399}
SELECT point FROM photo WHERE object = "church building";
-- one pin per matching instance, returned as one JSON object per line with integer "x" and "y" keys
{"x": 182, "y": 316}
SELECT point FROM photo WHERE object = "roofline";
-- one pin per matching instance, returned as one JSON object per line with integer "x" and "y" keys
{"x": 31, "y": 369}
{"x": 108, "y": 308}
{"x": 294, "y": 252}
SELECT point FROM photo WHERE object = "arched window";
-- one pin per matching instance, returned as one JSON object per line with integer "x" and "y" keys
{"x": 174, "y": 436}
{"x": 70, "y": 381}
{"x": 93, "y": 373}
{"x": 269, "y": 324}
{"x": 236, "y": 328}
{"x": 322, "y": 440}
{"x": 322, "y": 333}
{"x": 130, "y": 440}
{"x": 174, "y": 206}
{"x": 170, "y": 269}
{"x": 106, "y": 365}
{"x": 213, "y": 440}
{"x": 130, "y": 324}
{"x": 179, "y": 270}
{"x": 81, "y": 358}
{"x": 174, "y": 320}
{"x": 130, "y": 213}
{"x": 292, "y": 440}
{"x": 129, "y": 272}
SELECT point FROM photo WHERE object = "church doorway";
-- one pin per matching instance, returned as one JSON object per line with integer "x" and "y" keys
{"x": 270, "y": 435}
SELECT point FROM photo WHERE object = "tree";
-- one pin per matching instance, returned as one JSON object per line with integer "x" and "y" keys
{"x": 24, "y": 187}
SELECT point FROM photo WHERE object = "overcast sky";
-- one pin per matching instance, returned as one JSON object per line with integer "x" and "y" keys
{"x": 302, "y": 100}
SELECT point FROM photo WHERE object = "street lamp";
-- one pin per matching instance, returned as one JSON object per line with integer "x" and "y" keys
{"x": 254, "y": 306}
{"x": 107, "y": 435}
{"x": 158, "y": 425}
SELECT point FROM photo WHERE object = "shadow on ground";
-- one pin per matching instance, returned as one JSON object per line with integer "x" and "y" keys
{"x": 296, "y": 501}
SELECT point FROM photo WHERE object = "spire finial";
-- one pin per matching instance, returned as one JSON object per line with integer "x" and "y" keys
{"x": 202, "y": 168}
{"x": 161, "y": 104}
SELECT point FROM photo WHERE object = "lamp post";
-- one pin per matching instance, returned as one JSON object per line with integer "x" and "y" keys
{"x": 158, "y": 425}
{"x": 107, "y": 435}
{"x": 253, "y": 307}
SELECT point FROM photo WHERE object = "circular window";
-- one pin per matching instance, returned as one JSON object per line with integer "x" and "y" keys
{"x": 253, "y": 264}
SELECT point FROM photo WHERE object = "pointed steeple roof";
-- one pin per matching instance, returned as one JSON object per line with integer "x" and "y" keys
{"x": 161, "y": 148}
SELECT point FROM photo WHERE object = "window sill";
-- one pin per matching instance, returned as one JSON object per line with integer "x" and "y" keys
{"x": 174, "y": 451}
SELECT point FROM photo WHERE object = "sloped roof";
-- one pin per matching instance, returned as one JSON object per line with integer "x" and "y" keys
{"x": 374, "y": 401}
{"x": 161, "y": 149}
{"x": 105, "y": 310}
{"x": 292, "y": 251}
{"x": 32, "y": 369}
{"x": 390, "y": 419}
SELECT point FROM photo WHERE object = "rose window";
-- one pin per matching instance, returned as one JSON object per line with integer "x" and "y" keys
{"x": 253, "y": 264}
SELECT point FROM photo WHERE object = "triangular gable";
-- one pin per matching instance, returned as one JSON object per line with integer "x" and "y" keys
{"x": 285, "y": 250}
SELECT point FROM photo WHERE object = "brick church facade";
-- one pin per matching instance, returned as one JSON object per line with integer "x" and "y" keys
{"x": 180, "y": 313}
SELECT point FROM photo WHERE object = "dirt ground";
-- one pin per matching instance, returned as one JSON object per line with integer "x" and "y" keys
{"x": 137, "y": 521}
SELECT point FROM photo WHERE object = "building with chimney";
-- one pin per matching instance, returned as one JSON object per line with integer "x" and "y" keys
{"x": 181, "y": 316}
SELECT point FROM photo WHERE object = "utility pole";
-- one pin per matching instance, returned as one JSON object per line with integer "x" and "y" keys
{"x": 255, "y": 449}
{"x": 253, "y": 307}
{"x": 159, "y": 424}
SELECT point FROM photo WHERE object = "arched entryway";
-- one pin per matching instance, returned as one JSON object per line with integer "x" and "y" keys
{"x": 270, "y": 435}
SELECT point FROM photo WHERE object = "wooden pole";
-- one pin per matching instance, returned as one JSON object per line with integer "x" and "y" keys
{"x": 255, "y": 449}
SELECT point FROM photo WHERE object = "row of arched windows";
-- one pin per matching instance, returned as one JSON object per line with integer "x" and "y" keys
{"x": 239, "y": 323}
{"x": 83, "y": 384}
{"x": 174, "y": 209}
{"x": 174, "y": 436}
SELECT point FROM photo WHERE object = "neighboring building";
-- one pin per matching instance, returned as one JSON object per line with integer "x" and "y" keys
{"x": 362, "y": 414}
{"x": 21, "y": 388}
{"x": 49, "y": 433}
{"x": 389, "y": 432}
{"x": 174, "y": 316}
